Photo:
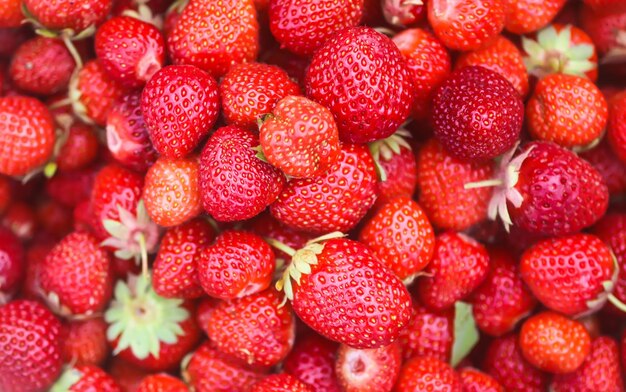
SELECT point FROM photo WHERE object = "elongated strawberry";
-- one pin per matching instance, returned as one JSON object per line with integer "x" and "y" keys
{"x": 477, "y": 381}
{"x": 76, "y": 15}
{"x": 312, "y": 360}
{"x": 368, "y": 369}
{"x": 85, "y": 342}
{"x": 12, "y": 265}
{"x": 526, "y": 16}
{"x": 281, "y": 383}
{"x": 161, "y": 382}
{"x": 85, "y": 378}
{"x": 423, "y": 373}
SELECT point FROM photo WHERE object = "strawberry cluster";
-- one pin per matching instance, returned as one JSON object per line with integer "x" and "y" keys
{"x": 312, "y": 195}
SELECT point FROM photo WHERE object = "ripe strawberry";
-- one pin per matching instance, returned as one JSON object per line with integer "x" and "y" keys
{"x": 86, "y": 378}
{"x": 71, "y": 188}
{"x": 234, "y": 183}
{"x": 334, "y": 201}
{"x": 128, "y": 138}
{"x": 12, "y": 265}
{"x": 361, "y": 76}
{"x": 20, "y": 218}
{"x": 503, "y": 299}
{"x": 477, "y": 381}
{"x": 466, "y": 24}
{"x": 180, "y": 105}
{"x": 80, "y": 148}
{"x": 85, "y": 342}
{"x": 477, "y": 114}
{"x": 501, "y": 56}
{"x": 616, "y": 125}
{"x": 174, "y": 269}
{"x": 53, "y": 218}
{"x": 554, "y": 343}
{"x": 428, "y": 334}
{"x": 373, "y": 369}
{"x": 441, "y": 179}
{"x": 526, "y": 16}
{"x": 343, "y": 277}
{"x": 606, "y": 162}
{"x": 303, "y": 26}
{"x": 605, "y": 30}
{"x": 548, "y": 190}
{"x": 27, "y": 131}
{"x": 11, "y": 14}
{"x": 294, "y": 65}
{"x": 401, "y": 237}
{"x": 611, "y": 229}
{"x": 41, "y": 66}
{"x": 30, "y": 352}
{"x": 161, "y": 382}
{"x": 231, "y": 27}
{"x": 76, "y": 15}
{"x": 281, "y": 383}
{"x": 238, "y": 264}
{"x": 130, "y": 50}
{"x": 251, "y": 89}
{"x": 237, "y": 326}
{"x": 600, "y": 371}
{"x": 459, "y": 265}
{"x": 312, "y": 360}
{"x": 402, "y": 13}
{"x": 428, "y": 374}
{"x": 266, "y": 226}
{"x": 126, "y": 375}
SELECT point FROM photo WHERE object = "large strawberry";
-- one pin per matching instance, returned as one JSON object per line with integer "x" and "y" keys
{"x": 12, "y": 265}
{"x": 75, "y": 15}
{"x": 374, "y": 369}
{"x": 312, "y": 360}
{"x": 526, "y": 16}
{"x": 361, "y": 76}
{"x": 85, "y": 342}
{"x": 423, "y": 374}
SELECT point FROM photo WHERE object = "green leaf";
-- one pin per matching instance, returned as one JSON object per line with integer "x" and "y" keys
{"x": 465, "y": 332}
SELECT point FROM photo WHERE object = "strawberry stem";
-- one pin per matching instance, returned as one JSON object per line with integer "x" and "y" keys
{"x": 72, "y": 49}
{"x": 141, "y": 239}
{"x": 484, "y": 184}
{"x": 617, "y": 303}
{"x": 280, "y": 246}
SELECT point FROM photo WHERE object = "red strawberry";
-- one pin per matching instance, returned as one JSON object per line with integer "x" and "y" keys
{"x": 86, "y": 378}
{"x": 403, "y": 12}
{"x": 526, "y": 16}
{"x": 238, "y": 264}
{"x": 41, "y": 66}
{"x": 362, "y": 78}
{"x": 20, "y": 218}
{"x": 335, "y": 200}
{"x": 428, "y": 334}
{"x": 174, "y": 269}
{"x": 401, "y": 236}
{"x": 53, "y": 218}
{"x": 30, "y": 352}
{"x": 616, "y": 128}
{"x": 303, "y": 26}
{"x": 312, "y": 360}
{"x": 180, "y": 105}
{"x": 600, "y": 371}
{"x": 606, "y": 162}
{"x": 477, "y": 381}
{"x": 428, "y": 374}
{"x": 130, "y": 50}
{"x": 6, "y": 192}
{"x": 127, "y": 375}
{"x": 554, "y": 343}
{"x": 27, "y": 131}
{"x": 231, "y": 27}
{"x": 605, "y": 30}
{"x": 12, "y": 265}
{"x": 11, "y": 13}
{"x": 281, "y": 383}
{"x": 71, "y": 188}
{"x": 294, "y": 65}
{"x": 76, "y": 15}
{"x": 266, "y": 226}
{"x": 611, "y": 229}
{"x": 466, "y": 24}
{"x": 234, "y": 183}
{"x": 80, "y": 148}
{"x": 373, "y": 369}
{"x": 85, "y": 342}
{"x": 605, "y": 5}
{"x": 251, "y": 89}
{"x": 161, "y": 382}
{"x": 299, "y": 137}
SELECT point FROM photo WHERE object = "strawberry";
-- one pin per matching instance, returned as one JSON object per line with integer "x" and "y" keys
{"x": 30, "y": 349}
{"x": 379, "y": 93}
{"x": 501, "y": 56}
{"x": 611, "y": 229}
{"x": 477, "y": 114}
{"x": 554, "y": 343}
{"x": 605, "y": 5}
{"x": 86, "y": 378}
{"x": 231, "y": 27}
{"x": 528, "y": 197}
{"x": 266, "y": 226}
{"x": 616, "y": 128}
{"x": 128, "y": 138}
{"x": 161, "y": 382}
{"x": 174, "y": 269}
{"x": 11, "y": 13}
{"x": 238, "y": 264}
{"x": 477, "y": 381}
{"x": 85, "y": 342}
{"x": 237, "y": 326}
{"x": 428, "y": 374}
{"x": 600, "y": 371}
{"x": 466, "y": 24}
{"x": 75, "y": 276}
{"x": 335, "y": 200}
{"x": 27, "y": 131}
{"x": 303, "y": 26}
{"x": 5, "y": 192}
{"x": 428, "y": 334}
{"x": 13, "y": 265}
{"x": 80, "y": 148}
{"x": 11, "y": 38}
{"x": 180, "y": 105}
{"x": 526, "y": 16}
{"x": 374, "y": 369}
{"x": 126, "y": 375}
{"x": 342, "y": 276}
{"x": 312, "y": 360}
{"x": 20, "y": 218}
{"x": 130, "y": 50}
{"x": 441, "y": 179}
{"x": 251, "y": 89}
{"x": 401, "y": 237}
{"x": 459, "y": 265}
{"x": 606, "y": 162}
{"x": 53, "y": 218}
{"x": 234, "y": 183}
{"x": 171, "y": 191}
{"x": 606, "y": 30}
{"x": 281, "y": 383}
{"x": 403, "y": 12}
{"x": 71, "y": 188}
{"x": 76, "y": 15}
{"x": 294, "y": 65}
{"x": 503, "y": 299}
{"x": 299, "y": 137}
{"x": 41, "y": 66}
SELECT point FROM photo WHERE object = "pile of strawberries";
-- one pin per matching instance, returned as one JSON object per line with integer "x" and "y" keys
{"x": 312, "y": 195}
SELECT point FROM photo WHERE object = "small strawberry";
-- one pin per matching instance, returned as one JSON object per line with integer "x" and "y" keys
{"x": 85, "y": 342}
{"x": 363, "y": 79}
{"x": 12, "y": 265}
{"x": 554, "y": 343}
{"x": 281, "y": 383}
{"x": 428, "y": 374}
{"x": 71, "y": 188}
{"x": 76, "y": 15}
{"x": 312, "y": 360}
{"x": 161, "y": 382}
{"x": 403, "y": 13}
{"x": 30, "y": 349}
{"x": 86, "y": 378}
{"x": 79, "y": 149}
{"x": 180, "y": 105}
{"x": 299, "y": 137}
{"x": 20, "y": 218}
{"x": 234, "y": 183}
{"x": 428, "y": 334}
{"x": 526, "y": 16}
{"x": 616, "y": 125}
{"x": 605, "y": 161}
{"x": 11, "y": 13}
{"x": 374, "y": 369}
{"x": 477, "y": 381}
{"x": 606, "y": 30}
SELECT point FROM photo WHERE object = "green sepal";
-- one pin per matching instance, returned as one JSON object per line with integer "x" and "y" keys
{"x": 465, "y": 332}
{"x": 68, "y": 378}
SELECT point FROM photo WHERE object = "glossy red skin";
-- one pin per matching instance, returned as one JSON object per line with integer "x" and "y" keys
{"x": 616, "y": 126}
{"x": 80, "y": 149}
{"x": 303, "y": 26}
{"x": 41, "y": 66}
{"x": 98, "y": 92}
{"x": 11, "y": 14}
{"x": 30, "y": 350}
{"x": 578, "y": 202}
{"x": 503, "y": 298}
{"x": 312, "y": 361}
{"x": 334, "y": 201}
{"x": 28, "y": 135}
{"x": 366, "y": 61}
{"x": 602, "y": 27}
{"x": 401, "y": 180}
{"x": 600, "y": 371}
{"x": 180, "y": 105}
{"x": 93, "y": 378}
{"x": 130, "y": 50}
{"x": 611, "y": 229}
{"x": 428, "y": 374}
{"x": 265, "y": 225}
{"x": 610, "y": 167}
{"x": 228, "y": 192}
{"x": 72, "y": 188}
{"x": 12, "y": 264}
{"x": 368, "y": 369}
{"x": 428, "y": 334}
{"x": 85, "y": 342}
{"x": 75, "y": 15}
{"x": 477, "y": 381}
{"x": 281, "y": 382}
{"x": 161, "y": 382}
{"x": 526, "y": 16}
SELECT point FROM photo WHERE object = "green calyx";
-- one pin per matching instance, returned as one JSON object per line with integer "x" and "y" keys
{"x": 465, "y": 332}
{"x": 68, "y": 379}
{"x": 142, "y": 320}
{"x": 385, "y": 149}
